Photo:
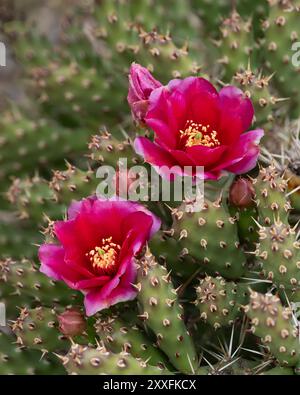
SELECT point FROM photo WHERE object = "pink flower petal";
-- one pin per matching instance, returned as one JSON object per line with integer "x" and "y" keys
{"x": 92, "y": 282}
{"x": 96, "y": 300}
{"x": 99, "y": 299}
{"x": 236, "y": 112}
{"x": 53, "y": 263}
{"x": 205, "y": 156}
{"x": 234, "y": 100}
{"x": 161, "y": 118}
{"x": 153, "y": 153}
{"x": 245, "y": 149}
{"x": 182, "y": 158}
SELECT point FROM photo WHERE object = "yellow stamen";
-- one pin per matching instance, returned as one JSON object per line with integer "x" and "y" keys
{"x": 198, "y": 134}
{"x": 104, "y": 257}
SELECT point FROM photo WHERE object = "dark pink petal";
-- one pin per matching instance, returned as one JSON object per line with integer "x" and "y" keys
{"x": 164, "y": 135}
{"x": 204, "y": 109}
{"x": 236, "y": 114}
{"x": 75, "y": 207}
{"x": 143, "y": 224}
{"x": 135, "y": 240}
{"x": 245, "y": 149}
{"x": 79, "y": 265}
{"x": 132, "y": 208}
{"x": 230, "y": 128}
{"x": 205, "y": 156}
{"x": 99, "y": 299}
{"x": 119, "y": 289}
{"x": 192, "y": 86}
{"x": 202, "y": 100}
{"x": 161, "y": 118}
{"x": 247, "y": 163}
{"x": 52, "y": 259}
{"x": 53, "y": 264}
{"x": 68, "y": 233}
{"x": 234, "y": 101}
{"x": 92, "y": 283}
{"x": 153, "y": 153}
{"x": 182, "y": 158}
{"x": 178, "y": 110}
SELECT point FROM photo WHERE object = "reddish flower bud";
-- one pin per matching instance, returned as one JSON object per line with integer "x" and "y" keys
{"x": 71, "y": 322}
{"x": 141, "y": 84}
{"x": 241, "y": 193}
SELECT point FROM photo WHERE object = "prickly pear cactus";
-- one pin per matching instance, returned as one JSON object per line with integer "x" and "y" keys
{"x": 274, "y": 325}
{"x": 101, "y": 271}
{"x": 220, "y": 301}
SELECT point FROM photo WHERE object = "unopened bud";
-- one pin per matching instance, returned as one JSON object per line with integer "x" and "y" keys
{"x": 241, "y": 193}
{"x": 141, "y": 84}
{"x": 71, "y": 322}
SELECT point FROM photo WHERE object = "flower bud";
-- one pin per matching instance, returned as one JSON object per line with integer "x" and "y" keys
{"x": 71, "y": 322}
{"x": 141, "y": 84}
{"x": 241, "y": 193}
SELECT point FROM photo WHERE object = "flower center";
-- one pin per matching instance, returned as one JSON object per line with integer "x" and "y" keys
{"x": 104, "y": 257}
{"x": 198, "y": 134}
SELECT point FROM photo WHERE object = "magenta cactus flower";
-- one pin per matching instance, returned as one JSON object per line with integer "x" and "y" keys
{"x": 141, "y": 84}
{"x": 96, "y": 250}
{"x": 195, "y": 125}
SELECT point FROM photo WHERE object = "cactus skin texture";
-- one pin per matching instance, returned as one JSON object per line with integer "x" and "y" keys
{"x": 17, "y": 239}
{"x": 257, "y": 88}
{"x": 21, "y": 279}
{"x": 279, "y": 253}
{"x": 28, "y": 143}
{"x": 281, "y": 30}
{"x": 20, "y": 361}
{"x": 87, "y": 360}
{"x": 161, "y": 312}
{"x": 208, "y": 235}
{"x": 37, "y": 329}
{"x": 273, "y": 324}
{"x": 219, "y": 302}
{"x": 279, "y": 371}
{"x": 118, "y": 335}
{"x": 271, "y": 200}
{"x": 236, "y": 43}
